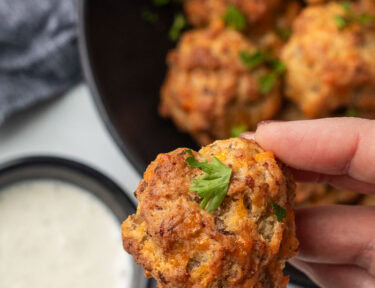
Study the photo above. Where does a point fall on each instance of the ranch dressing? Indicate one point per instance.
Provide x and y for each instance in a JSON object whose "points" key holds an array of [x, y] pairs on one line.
{"points": [[56, 235]]}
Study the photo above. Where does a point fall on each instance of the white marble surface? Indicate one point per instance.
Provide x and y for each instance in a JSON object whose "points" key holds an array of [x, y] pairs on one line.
{"points": [[69, 126]]}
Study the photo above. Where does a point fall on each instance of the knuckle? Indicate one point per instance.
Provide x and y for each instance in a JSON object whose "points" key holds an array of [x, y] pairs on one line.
{"points": [[366, 258]]}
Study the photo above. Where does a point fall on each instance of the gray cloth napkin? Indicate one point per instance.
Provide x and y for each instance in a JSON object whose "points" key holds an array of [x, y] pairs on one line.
{"points": [[38, 52]]}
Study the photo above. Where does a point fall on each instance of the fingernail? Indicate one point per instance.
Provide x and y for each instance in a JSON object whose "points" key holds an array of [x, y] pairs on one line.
{"points": [[266, 122], [248, 135]]}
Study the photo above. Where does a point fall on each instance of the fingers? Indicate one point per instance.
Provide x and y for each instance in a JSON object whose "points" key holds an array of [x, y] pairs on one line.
{"points": [[339, 181], [337, 235], [336, 146], [332, 276]]}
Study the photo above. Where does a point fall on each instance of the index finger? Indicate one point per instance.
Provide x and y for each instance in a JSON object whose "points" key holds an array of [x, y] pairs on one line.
{"points": [[333, 146]]}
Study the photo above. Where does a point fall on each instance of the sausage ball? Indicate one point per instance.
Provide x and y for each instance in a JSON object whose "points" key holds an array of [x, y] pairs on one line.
{"points": [[209, 90], [203, 12], [243, 243], [331, 61], [322, 194]]}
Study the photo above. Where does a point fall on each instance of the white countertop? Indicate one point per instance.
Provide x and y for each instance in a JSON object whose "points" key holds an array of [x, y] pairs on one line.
{"points": [[71, 127]]}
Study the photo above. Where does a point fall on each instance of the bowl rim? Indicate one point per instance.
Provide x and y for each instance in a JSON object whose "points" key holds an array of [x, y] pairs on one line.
{"points": [[88, 72], [18, 164], [65, 163]]}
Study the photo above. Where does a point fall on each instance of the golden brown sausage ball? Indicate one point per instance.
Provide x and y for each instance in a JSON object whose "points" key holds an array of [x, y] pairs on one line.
{"points": [[208, 89], [241, 244], [203, 12], [331, 64]]}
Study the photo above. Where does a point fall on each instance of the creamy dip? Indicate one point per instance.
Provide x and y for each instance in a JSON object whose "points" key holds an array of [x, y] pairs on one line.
{"points": [[56, 235]]}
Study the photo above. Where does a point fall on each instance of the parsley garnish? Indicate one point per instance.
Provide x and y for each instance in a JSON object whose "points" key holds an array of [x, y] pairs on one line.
{"points": [[346, 5], [178, 25], [351, 112], [266, 82], [343, 21], [252, 60], [366, 19], [234, 18], [284, 33], [149, 16], [238, 129], [212, 186], [258, 58], [279, 212]]}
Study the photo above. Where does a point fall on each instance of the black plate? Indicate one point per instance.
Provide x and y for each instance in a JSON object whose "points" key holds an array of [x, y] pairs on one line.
{"points": [[123, 57], [45, 167]]}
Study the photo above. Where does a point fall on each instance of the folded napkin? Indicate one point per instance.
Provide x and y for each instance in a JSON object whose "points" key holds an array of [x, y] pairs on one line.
{"points": [[38, 52]]}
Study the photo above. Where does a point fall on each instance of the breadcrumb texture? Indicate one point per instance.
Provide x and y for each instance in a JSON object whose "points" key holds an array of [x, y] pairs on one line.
{"points": [[241, 244], [328, 67], [208, 89]]}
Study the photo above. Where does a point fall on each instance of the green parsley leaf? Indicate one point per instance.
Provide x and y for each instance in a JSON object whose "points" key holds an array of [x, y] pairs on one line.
{"points": [[212, 186], [346, 5], [284, 33], [149, 16], [366, 19], [266, 82], [252, 60], [342, 22], [351, 112], [279, 212], [234, 18], [160, 2], [238, 129], [178, 25]]}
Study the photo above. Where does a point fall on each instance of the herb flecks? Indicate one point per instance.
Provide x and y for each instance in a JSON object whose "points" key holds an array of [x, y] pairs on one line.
{"points": [[238, 129], [150, 16], [212, 186], [351, 112], [178, 25], [279, 212], [234, 18], [252, 60], [349, 17], [258, 58], [267, 82]]}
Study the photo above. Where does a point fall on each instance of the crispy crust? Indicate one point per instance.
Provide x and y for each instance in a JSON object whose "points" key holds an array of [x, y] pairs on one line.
{"points": [[208, 89], [329, 68], [239, 245]]}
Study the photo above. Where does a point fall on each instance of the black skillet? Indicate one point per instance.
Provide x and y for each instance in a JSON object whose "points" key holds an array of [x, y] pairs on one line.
{"points": [[123, 57]]}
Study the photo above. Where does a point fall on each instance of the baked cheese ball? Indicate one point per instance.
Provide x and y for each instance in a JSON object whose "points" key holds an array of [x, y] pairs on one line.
{"points": [[209, 89], [243, 242], [202, 13], [330, 59]]}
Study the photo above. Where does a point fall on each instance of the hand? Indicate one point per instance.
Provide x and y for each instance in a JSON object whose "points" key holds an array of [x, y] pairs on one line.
{"points": [[337, 243]]}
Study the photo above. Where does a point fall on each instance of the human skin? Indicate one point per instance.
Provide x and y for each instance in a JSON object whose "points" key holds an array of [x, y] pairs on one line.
{"points": [[337, 243]]}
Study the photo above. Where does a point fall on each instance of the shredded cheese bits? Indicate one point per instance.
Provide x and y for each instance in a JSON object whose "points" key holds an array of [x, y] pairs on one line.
{"points": [[264, 156]]}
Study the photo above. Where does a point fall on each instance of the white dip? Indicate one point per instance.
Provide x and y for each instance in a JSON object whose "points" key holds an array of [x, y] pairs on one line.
{"points": [[56, 235]]}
